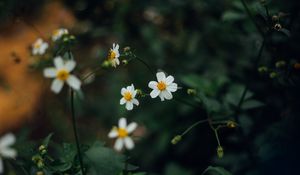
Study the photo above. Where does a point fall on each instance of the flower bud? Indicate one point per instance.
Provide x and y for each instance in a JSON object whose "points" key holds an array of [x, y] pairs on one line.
{"points": [[125, 62], [297, 66], [273, 75], [275, 18], [191, 91], [106, 64], [40, 163], [279, 64], [126, 49], [40, 173], [231, 124], [220, 152], [176, 139], [262, 69], [277, 26]]}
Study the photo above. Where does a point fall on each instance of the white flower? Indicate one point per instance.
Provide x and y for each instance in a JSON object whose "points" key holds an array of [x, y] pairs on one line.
{"points": [[163, 87], [39, 47], [58, 33], [5, 151], [122, 134], [129, 94], [113, 55], [61, 73]]}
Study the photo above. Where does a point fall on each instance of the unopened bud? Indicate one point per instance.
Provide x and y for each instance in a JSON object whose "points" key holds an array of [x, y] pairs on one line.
{"points": [[106, 64], [279, 64], [275, 18], [277, 26], [40, 173], [220, 152], [125, 62], [40, 163], [176, 139], [273, 75], [231, 124], [297, 66], [191, 91], [126, 49], [262, 69], [139, 92]]}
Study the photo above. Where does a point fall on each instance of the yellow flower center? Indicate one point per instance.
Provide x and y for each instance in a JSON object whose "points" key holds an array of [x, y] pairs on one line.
{"points": [[122, 132], [161, 86], [62, 74], [56, 33], [127, 96], [111, 55], [37, 45]]}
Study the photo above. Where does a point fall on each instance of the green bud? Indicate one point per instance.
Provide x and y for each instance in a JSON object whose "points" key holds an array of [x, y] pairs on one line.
{"points": [[262, 69], [273, 75], [125, 62], [126, 49], [279, 64], [277, 26], [191, 91], [231, 124], [72, 37], [40, 164], [106, 64], [139, 92], [42, 147], [220, 152], [36, 158], [176, 139], [40, 173]]}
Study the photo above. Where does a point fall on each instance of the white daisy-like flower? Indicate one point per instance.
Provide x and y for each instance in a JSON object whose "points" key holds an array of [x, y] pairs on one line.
{"points": [[113, 55], [5, 151], [122, 134], [163, 87], [61, 73], [58, 33], [39, 47], [128, 98]]}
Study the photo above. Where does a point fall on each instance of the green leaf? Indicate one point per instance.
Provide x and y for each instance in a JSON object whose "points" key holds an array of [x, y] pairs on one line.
{"points": [[47, 139], [215, 171], [105, 161], [250, 104], [232, 16], [69, 152]]}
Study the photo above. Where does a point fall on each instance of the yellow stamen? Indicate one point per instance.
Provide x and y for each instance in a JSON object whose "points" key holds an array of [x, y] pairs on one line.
{"points": [[122, 132], [127, 96], [37, 45], [56, 32], [62, 74], [111, 55], [161, 86]]}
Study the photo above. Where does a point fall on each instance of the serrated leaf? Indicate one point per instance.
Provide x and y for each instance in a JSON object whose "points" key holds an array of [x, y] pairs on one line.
{"points": [[215, 171]]}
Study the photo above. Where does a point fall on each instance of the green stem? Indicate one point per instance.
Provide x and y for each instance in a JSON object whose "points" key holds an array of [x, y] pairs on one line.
{"points": [[251, 17], [91, 73], [193, 125], [75, 131], [147, 65]]}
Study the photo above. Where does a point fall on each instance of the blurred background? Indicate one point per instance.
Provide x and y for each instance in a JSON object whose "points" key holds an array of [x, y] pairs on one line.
{"points": [[207, 45]]}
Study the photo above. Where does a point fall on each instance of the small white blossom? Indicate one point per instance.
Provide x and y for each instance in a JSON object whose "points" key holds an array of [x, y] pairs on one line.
{"points": [[39, 47], [122, 134], [113, 55], [61, 73], [163, 87], [58, 33], [128, 98], [5, 151]]}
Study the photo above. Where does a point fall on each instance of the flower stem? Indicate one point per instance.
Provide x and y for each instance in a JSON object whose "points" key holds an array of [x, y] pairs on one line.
{"points": [[193, 125], [75, 131]]}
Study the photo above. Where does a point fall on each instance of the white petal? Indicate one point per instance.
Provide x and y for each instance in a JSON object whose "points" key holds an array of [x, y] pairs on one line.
{"points": [[131, 127], [122, 101], [58, 62], [154, 93], [117, 47], [113, 133], [135, 101], [119, 144], [161, 96], [7, 140], [34, 51], [1, 166], [70, 65], [123, 90], [152, 85], [128, 143], [172, 87], [74, 82], [117, 61], [167, 95], [50, 72], [133, 93], [8, 153], [122, 123], [169, 79], [160, 76], [114, 45], [57, 85], [129, 105]]}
